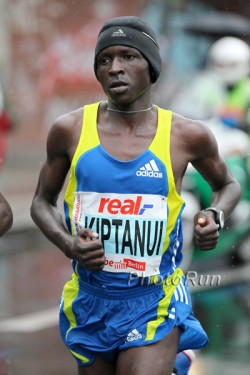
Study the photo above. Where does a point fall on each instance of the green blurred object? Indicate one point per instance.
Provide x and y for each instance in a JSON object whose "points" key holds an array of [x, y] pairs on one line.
{"points": [[237, 227], [224, 314]]}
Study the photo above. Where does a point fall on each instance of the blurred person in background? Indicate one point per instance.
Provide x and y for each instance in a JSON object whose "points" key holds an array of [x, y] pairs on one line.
{"points": [[222, 90], [6, 216], [229, 60], [127, 308], [220, 95], [6, 124]]}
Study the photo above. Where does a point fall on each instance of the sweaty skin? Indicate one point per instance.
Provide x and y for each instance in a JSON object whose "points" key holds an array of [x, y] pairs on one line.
{"points": [[125, 77]]}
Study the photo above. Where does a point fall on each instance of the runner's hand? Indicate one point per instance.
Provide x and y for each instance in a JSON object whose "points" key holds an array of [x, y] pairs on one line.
{"points": [[205, 231], [88, 250]]}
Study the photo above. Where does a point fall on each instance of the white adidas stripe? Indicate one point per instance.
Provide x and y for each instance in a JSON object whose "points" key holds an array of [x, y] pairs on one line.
{"points": [[150, 166], [184, 292], [180, 293], [153, 165]]}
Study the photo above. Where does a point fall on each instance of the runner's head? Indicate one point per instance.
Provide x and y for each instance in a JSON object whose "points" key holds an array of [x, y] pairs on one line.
{"points": [[133, 32]]}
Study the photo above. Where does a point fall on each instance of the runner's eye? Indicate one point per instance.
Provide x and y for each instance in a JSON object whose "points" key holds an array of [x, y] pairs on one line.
{"points": [[129, 57], [103, 61]]}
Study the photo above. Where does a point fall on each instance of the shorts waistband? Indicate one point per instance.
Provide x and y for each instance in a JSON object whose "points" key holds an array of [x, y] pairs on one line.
{"points": [[121, 293]]}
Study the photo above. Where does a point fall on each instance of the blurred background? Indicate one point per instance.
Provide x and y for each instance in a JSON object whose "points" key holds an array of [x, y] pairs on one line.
{"points": [[46, 69]]}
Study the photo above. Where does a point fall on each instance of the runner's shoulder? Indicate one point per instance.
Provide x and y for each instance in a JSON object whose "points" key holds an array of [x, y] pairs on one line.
{"points": [[193, 133], [68, 121]]}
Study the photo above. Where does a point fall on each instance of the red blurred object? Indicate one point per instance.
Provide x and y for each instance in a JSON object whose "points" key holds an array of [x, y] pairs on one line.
{"points": [[5, 126]]}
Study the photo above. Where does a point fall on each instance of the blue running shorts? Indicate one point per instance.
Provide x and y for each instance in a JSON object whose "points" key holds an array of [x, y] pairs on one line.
{"points": [[95, 321]]}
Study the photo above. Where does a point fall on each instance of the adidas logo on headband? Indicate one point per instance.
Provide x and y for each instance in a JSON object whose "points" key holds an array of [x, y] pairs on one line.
{"points": [[119, 33]]}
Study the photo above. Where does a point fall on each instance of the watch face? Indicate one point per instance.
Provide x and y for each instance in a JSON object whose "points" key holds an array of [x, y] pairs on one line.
{"points": [[219, 216], [221, 219]]}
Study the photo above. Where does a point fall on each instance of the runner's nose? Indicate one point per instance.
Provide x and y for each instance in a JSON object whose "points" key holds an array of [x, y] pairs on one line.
{"points": [[116, 66]]}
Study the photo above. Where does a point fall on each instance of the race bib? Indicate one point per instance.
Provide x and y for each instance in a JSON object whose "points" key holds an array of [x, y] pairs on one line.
{"points": [[131, 227]]}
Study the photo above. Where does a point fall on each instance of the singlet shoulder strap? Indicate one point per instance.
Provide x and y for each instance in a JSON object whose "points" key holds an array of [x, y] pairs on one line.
{"points": [[161, 143], [88, 139], [89, 135], [161, 146]]}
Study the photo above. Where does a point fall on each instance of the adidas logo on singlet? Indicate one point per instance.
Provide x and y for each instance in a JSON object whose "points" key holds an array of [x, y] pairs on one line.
{"points": [[119, 33], [133, 336], [150, 169]]}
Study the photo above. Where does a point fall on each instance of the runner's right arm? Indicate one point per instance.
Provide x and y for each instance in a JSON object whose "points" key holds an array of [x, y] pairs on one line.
{"points": [[44, 210]]}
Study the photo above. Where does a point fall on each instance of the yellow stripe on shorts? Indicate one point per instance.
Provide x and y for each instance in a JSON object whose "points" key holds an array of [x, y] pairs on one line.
{"points": [[81, 357], [169, 286], [70, 292]]}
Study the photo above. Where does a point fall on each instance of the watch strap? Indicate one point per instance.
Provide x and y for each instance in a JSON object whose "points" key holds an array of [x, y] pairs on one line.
{"points": [[219, 216]]}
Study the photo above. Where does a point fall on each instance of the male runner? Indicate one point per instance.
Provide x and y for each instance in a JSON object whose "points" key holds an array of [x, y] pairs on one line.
{"points": [[127, 308], [6, 215]]}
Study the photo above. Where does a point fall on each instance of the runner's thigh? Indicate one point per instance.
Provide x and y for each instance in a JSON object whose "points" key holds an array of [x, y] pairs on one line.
{"points": [[98, 367], [157, 359]]}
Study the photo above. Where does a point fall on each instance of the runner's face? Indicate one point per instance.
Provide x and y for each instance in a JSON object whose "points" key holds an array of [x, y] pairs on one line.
{"points": [[123, 73]]}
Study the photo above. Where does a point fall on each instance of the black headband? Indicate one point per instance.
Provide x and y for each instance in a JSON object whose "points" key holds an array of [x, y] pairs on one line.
{"points": [[133, 32]]}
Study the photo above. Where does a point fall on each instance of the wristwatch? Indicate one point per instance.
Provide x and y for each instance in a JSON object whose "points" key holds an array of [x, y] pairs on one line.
{"points": [[218, 216]]}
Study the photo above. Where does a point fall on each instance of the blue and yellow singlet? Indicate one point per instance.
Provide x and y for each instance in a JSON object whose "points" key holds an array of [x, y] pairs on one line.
{"points": [[132, 205]]}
